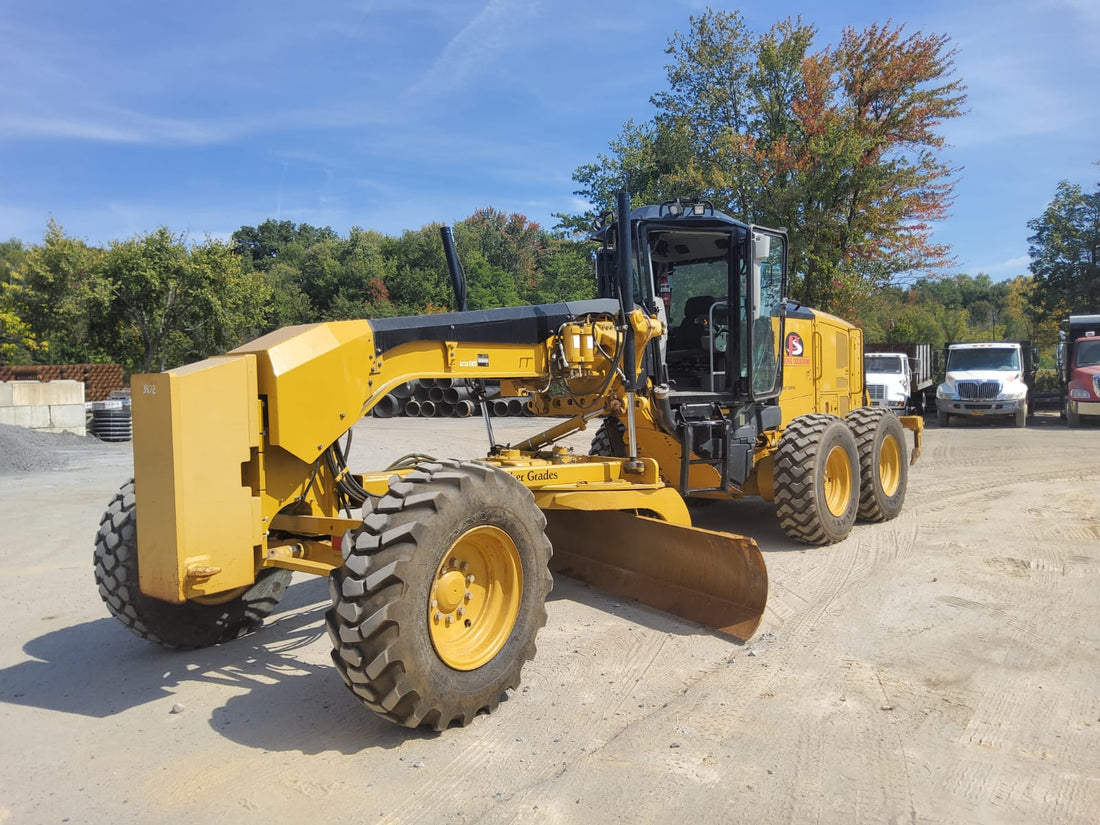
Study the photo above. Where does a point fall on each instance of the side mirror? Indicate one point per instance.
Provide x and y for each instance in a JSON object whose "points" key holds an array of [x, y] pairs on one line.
{"points": [[761, 247]]}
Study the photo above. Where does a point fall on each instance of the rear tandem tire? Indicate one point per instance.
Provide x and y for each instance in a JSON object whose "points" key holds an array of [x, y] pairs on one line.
{"points": [[883, 462], [817, 479], [441, 594], [183, 626]]}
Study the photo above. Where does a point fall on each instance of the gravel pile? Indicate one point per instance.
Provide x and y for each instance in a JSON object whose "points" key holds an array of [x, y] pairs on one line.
{"points": [[23, 450]]}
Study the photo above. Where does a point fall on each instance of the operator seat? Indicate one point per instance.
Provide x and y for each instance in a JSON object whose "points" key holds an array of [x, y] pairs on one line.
{"points": [[689, 334]]}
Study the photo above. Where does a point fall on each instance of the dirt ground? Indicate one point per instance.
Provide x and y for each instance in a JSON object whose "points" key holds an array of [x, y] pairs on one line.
{"points": [[940, 668]]}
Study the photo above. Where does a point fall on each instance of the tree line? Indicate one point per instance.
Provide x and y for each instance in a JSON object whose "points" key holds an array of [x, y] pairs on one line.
{"points": [[157, 301], [840, 145]]}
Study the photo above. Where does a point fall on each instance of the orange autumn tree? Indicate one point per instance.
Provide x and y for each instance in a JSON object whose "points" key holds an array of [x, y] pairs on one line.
{"points": [[840, 145]]}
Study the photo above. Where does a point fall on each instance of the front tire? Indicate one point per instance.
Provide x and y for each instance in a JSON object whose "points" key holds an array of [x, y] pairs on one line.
{"points": [[817, 479], [441, 594], [942, 418], [883, 462], [182, 626], [608, 440], [1073, 418], [1021, 417]]}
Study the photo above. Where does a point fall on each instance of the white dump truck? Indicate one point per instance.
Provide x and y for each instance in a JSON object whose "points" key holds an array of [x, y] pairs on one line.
{"points": [[897, 376], [986, 379]]}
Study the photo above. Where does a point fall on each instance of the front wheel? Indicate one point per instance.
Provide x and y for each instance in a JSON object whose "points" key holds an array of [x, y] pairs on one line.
{"points": [[817, 479], [185, 626], [1073, 418], [942, 418], [442, 592], [883, 462], [1021, 416], [608, 440]]}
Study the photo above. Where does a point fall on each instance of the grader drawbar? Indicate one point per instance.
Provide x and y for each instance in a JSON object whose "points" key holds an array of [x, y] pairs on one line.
{"points": [[700, 379]]}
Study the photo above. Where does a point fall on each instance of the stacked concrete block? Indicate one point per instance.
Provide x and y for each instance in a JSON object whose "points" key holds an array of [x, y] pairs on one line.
{"points": [[51, 407], [100, 380]]}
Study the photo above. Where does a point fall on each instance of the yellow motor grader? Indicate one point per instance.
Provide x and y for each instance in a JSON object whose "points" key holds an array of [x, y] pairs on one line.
{"points": [[700, 378]]}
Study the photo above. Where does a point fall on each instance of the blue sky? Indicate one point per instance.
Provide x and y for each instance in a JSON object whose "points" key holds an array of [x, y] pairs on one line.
{"points": [[117, 117]]}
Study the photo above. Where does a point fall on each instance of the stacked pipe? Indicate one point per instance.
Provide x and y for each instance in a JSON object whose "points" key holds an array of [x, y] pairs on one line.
{"points": [[444, 398]]}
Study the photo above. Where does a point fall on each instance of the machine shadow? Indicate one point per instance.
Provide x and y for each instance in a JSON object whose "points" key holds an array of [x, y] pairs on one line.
{"points": [[279, 693], [751, 517]]}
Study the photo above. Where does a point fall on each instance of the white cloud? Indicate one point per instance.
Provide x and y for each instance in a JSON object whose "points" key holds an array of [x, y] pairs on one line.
{"points": [[1021, 71], [477, 45], [1009, 268]]}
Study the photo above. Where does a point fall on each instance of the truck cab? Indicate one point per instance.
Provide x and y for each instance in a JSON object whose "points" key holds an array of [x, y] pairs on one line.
{"points": [[1079, 369], [889, 377], [984, 380]]}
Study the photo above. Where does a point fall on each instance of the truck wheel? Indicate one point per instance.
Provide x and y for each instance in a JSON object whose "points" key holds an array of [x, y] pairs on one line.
{"points": [[442, 592], [942, 418], [883, 462], [817, 479], [608, 440], [1073, 418], [193, 624], [1021, 416]]}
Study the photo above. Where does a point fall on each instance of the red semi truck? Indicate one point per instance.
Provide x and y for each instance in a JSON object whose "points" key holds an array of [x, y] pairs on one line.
{"points": [[1079, 368]]}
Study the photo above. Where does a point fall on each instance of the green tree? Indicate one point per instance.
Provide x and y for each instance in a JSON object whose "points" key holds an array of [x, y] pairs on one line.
{"points": [[172, 303], [18, 344], [566, 272], [261, 246], [839, 145], [60, 293], [345, 278], [418, 280], [1065, 253]]}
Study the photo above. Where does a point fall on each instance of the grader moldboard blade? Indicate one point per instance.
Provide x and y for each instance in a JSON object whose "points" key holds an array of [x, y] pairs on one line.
{"points": [[715, 579]]}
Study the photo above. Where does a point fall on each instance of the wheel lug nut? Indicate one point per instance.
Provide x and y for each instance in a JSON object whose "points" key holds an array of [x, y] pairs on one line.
{"points": [[470, 579], [465, 566], [447, 621], [439, 616], [460, 612], [468, 595]]}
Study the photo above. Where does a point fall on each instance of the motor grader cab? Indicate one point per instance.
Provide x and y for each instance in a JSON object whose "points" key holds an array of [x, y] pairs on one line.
{"points": [[750, 394], [439, 568], [716, 375]]}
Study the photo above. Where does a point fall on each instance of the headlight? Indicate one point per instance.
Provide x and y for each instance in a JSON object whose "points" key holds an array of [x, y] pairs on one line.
{"points": [[945, 391], [1079, 395], [1014, 395]]}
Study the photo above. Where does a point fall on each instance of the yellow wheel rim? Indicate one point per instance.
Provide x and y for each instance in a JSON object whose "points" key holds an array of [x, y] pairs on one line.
{"points": [[475, 596], [220, 598], [838, 481], [889, 466]]}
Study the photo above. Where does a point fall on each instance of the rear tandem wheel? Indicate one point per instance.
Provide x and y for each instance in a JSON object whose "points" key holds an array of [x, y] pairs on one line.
{"points": [[817, 479], [441, 594], [883, 462]]}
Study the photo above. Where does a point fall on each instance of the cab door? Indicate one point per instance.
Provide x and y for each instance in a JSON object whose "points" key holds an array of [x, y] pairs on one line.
{"points": [[766, 311]]}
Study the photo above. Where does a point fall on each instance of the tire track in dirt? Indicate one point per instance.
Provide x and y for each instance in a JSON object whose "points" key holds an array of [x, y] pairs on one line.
{"points": [[616, 670], [1018, 711]]}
